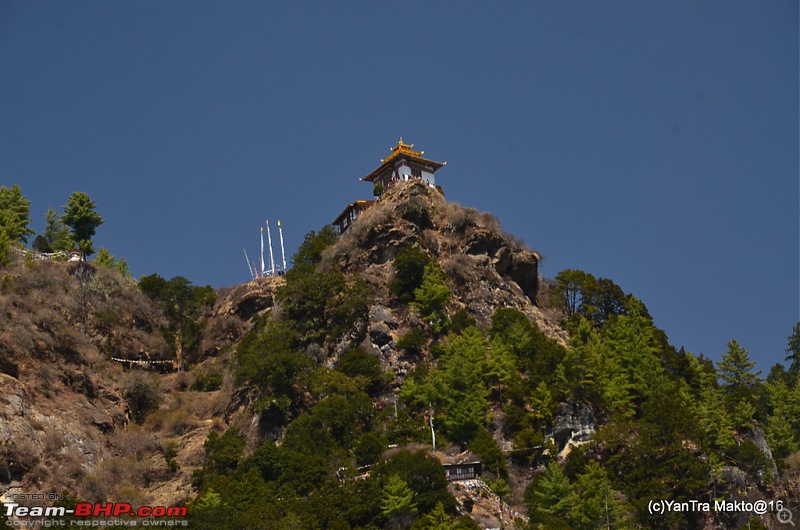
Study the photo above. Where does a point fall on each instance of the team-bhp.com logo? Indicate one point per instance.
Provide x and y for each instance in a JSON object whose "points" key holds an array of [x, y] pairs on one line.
{"points": [[97, 509]]}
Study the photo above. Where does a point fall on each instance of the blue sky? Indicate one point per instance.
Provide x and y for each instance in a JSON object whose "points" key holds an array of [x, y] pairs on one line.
{"points": [[653, 143]]}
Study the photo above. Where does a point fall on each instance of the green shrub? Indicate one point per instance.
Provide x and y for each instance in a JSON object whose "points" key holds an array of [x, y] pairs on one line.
{"points": [[409, 268], [223, 453], [412, 342], [323, 304], [363, 367], [491, 456], [207, 381], [368, 449], [143, 395]]}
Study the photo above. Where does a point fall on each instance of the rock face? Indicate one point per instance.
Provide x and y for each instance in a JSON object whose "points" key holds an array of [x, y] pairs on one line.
{"points": [[574, 424], [35, 431], [488, 268], [381, 325], [251, 298], [759, 438]]}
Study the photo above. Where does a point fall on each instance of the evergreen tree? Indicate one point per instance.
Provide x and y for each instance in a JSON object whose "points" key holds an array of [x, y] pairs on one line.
{"points": [[793, 353], [491, 456], [105, 259], [80, 215], [550, 496], [309, 254], [580, 293], [783, 422], [582, 366], [16, 216], [40, 244], [56, 234], [739, 380], [568, 294], [182, 303], [122, 267], [657, 462], [5, 241], [630, 360], [736, 368], [432, 296], [715, 420], [424, 475], [461, 385], [398, 499], [437, 519], [595, 502]]}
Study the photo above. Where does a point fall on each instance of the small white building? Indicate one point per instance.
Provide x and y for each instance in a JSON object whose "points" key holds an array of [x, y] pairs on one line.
{"points": [[402, 165]]}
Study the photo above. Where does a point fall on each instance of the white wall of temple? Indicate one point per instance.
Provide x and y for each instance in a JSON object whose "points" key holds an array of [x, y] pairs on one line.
{"points": [[403, 172]]}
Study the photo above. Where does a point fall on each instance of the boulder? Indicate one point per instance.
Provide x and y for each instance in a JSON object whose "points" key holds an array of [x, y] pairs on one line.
{"points": [[502, 261], [382, 315], [379, 334]]}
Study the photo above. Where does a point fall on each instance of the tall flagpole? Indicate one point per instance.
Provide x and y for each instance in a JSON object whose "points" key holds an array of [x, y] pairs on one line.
{"points": [[271, 261], [283, 256], [262, 250], [249, 268]]}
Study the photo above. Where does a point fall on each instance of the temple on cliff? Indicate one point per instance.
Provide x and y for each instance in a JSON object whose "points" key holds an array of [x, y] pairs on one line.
{"points": [[402, 165]]}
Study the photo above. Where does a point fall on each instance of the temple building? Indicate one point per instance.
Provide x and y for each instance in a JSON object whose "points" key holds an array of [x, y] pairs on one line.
{"points": [[404, 164], [401, 165], [350, 214]]}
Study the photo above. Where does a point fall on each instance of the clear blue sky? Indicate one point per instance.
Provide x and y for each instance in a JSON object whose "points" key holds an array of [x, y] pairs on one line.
{"points": [[653, 143]]}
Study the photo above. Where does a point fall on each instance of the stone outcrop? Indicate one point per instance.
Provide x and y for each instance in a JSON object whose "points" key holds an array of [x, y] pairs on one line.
{"points": [[488, 268], [759, 438], [35, 430], [574, 424], [249, 299]]}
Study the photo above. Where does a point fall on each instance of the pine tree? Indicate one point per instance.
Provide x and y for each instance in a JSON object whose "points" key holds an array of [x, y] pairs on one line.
{"points": [[596, 503], [5, 241], [437, 519], [432, 296], [736, 372], [81, 216], [105, 259], [736, 368], [633, 353], [714, 418], [582, 368], [398, 499], [552, 494], [793, 353], [56, 234], [16, 216]]}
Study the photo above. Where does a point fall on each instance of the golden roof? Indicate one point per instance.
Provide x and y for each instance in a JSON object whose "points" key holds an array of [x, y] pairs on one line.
{"points": [[358, 205], [403, 150]]}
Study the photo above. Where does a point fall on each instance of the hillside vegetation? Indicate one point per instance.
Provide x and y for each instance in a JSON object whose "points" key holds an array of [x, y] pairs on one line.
{"points": [[314, 400]]}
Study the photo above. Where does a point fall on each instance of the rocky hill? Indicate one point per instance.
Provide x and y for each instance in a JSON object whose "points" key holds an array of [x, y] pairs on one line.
{"points": [[300, 400], [485, 266]]}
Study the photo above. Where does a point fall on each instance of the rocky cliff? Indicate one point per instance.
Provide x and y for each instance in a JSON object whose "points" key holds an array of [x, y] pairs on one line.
{"points": [[487, 267]]}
